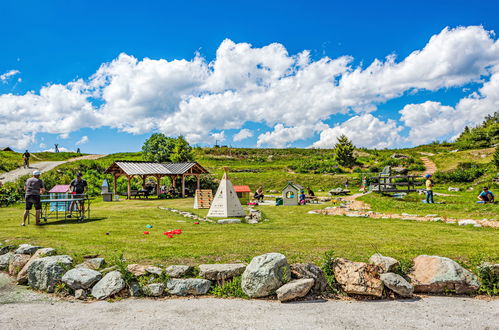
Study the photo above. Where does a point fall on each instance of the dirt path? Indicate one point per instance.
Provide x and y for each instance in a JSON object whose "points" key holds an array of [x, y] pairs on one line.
{"points": [[430, 166], [44, 166], [21, 308]]}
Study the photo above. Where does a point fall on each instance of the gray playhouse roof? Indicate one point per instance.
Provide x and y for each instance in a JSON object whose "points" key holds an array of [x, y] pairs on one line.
{"points": [[294, 185]]}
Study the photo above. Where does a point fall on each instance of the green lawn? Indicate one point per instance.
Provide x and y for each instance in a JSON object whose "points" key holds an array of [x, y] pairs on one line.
{"points": [[290, 230]]}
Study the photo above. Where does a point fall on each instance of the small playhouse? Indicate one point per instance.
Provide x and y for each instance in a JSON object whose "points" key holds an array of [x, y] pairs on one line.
{"points": [[291, 194], [243, 193], [60, 191]]}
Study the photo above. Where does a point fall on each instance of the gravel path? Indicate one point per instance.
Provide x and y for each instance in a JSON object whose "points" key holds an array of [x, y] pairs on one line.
{"points": [[21, 308], [44, 166]]}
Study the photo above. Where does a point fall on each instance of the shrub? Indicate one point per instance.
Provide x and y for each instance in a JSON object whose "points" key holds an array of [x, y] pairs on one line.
{"points": [[489, 281], [465, 172], [229, 288], [327, 264], [9, 194]]}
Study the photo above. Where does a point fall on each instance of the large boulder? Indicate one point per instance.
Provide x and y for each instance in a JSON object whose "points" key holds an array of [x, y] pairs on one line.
{"points": [[265, 274], [93, 263], [386, 264], [5, 260], [188, 286], [81, 278], [22, 276], [27, 249], [439, 274], [295, 289], [358, 277], [17, 263], [178, 270], [397, 284], [217, 272], [5, 249], [109, 285], [299, 271], [45, 273], [154, 289]]}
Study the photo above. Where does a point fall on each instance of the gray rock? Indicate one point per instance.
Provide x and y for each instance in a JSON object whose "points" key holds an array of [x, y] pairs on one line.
{"points": [[358, 277], [265, 274], [80, 294], [81, 278], [5, 249], [217, 272], [295, 289], [135, 290], [139, 270], [154, 289], [22, 276], [27, 249], [154, 270], [45, 273], [109, 285], [397, 284], [178, 270], [5, 260], [188, 286], [453, 189], [386, 264], [436, 274], [494, 268], [466, 222], [94, 264], [17, 263], [299, 271], [228, 221]]}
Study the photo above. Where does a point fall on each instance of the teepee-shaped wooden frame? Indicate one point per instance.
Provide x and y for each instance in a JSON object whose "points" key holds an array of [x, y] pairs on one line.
{"points": [[226, 203]]}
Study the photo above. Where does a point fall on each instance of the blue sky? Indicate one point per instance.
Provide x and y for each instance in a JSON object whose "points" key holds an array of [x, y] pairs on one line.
{"points": [[54, 43]]}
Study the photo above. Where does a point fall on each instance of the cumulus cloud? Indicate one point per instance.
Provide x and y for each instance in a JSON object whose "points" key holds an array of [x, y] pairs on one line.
{"points": [[218, 137], [83, 140], [292, 94], [7, 75], [242, 135]]}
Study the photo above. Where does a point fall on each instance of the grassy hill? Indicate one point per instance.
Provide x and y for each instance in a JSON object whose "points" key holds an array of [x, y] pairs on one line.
{"points": [[10, 160]]}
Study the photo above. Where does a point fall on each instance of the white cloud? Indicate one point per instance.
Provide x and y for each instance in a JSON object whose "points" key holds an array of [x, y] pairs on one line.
{"points": [[7, 75], [291, 93], [83, 140], [218, 137], [42, 146], [364, 131], [61, 149], [242, 135]]}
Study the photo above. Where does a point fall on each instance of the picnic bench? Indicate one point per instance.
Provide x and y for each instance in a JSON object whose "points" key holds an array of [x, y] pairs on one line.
{"points": [[339, 191]]}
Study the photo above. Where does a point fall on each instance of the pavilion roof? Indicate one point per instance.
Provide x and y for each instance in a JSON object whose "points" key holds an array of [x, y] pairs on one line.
{"points": [[153, 168]]}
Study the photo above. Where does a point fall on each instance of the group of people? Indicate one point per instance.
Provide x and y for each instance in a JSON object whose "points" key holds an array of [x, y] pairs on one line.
{"points": [[35, 187], [486, 196]]}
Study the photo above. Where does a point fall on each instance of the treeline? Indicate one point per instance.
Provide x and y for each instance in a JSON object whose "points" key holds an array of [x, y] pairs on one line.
{"points": [[484, 135]]}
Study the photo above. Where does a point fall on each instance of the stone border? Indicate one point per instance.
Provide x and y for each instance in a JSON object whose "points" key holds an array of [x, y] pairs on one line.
{"points": [[266, 276]]}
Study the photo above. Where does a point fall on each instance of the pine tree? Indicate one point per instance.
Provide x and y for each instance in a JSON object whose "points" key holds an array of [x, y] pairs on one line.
{"points": [[343, 152]]}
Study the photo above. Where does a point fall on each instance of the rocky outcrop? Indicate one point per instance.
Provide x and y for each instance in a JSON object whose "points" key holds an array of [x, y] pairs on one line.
{"points": [[295, 289], [358, 277], [436, 274], [5, 260], [176, 271], [22, 276], [265, 274], [17, 263], [188, 286], [81, 278], [218, 272], [397, 284], [27, 249], [45, 273], [299, 271], [386, 264], [154, 289], [109, 285]]}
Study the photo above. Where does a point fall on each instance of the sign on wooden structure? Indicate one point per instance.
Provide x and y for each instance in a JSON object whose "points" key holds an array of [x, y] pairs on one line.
{"points": [[203, 198], [226, 203]]}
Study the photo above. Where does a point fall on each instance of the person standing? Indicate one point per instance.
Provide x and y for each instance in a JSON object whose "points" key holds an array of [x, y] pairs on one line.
{"points": [[26, 157], [346, 184], [34, 187], [78, 186], [429, 189]]}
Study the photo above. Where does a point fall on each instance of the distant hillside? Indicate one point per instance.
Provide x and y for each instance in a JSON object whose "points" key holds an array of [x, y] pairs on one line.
{"points": [[482, 136]]}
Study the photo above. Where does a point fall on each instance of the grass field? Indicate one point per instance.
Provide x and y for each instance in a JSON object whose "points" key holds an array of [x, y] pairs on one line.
{"points": [[289, 230], [12, 160]]}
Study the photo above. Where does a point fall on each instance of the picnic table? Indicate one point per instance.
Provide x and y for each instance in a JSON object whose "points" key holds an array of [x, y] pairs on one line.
{"points": [[339, 191]]}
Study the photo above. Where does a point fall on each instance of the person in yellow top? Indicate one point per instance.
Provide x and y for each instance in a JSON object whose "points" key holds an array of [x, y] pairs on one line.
{"points": [[429, 189]]}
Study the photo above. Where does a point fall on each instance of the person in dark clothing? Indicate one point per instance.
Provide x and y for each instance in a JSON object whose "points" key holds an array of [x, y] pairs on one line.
{"points": [[79, 187], [34, 187], [310, 192], [26, 157]]}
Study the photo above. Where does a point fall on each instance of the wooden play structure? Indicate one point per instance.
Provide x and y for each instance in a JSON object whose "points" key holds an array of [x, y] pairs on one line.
{"points": [[144, 170], [203, 198], [387, 183]]}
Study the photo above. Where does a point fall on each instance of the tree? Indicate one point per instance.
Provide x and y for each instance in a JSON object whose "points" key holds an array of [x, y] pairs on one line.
{"points": [[343, 152], [160, 148], [495, 158]]}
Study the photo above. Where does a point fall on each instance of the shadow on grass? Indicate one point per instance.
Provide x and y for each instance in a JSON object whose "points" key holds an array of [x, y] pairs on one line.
{"points": [[71, 221]]}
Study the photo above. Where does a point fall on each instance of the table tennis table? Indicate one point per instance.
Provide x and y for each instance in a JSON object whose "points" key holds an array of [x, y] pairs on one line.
{"points": [[59, 208]]}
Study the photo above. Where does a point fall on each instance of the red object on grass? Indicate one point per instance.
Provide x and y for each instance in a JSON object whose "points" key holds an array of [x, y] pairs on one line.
{"points": [[146, 233], [196, 223]]}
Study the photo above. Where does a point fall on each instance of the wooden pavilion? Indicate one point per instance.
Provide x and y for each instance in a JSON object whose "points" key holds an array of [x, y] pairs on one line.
{"points": [[144, 170]]}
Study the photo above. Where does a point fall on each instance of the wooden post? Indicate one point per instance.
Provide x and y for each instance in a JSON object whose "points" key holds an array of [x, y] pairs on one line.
{"points": [[129, 188], [174, 181], [114, 184], [158, 177], [199, 181], [183, 186], [143, 182]]}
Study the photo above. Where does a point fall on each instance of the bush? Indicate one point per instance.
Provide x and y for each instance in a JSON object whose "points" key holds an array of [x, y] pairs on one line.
{"points": [[465, 172], [327, 267], [9, 194], [229, 288], [489, 281]]}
